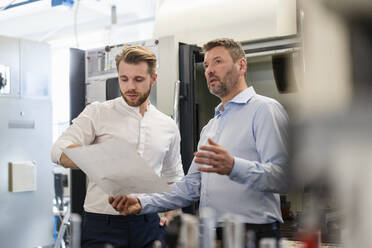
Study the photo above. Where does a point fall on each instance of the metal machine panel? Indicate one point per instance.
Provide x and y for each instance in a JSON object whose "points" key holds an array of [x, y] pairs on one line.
{"points": [[31, 226], [36, 224]]}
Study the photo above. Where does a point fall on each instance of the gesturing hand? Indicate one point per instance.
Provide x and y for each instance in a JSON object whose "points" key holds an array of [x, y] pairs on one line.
{"points": [[125, 204], [216, 156]]}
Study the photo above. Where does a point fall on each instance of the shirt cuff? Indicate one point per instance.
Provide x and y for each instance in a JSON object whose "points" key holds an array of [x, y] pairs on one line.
{"points": [[239, 170], [144, 201], [57, 150]]}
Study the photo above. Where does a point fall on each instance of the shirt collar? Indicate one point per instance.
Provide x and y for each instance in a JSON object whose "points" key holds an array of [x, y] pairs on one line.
{"points": [[241, 98], [133, 109]]}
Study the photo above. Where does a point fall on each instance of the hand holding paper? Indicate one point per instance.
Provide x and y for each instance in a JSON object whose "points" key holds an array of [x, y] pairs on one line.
{"points": [[125, 204], [115, 167]]}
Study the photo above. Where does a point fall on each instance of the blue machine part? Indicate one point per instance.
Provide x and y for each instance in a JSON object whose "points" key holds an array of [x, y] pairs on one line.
{"points": [[69, 3]]}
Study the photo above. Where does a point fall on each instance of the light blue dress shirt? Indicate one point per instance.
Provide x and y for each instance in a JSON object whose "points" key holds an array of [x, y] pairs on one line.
{"points": [[253, 129]]}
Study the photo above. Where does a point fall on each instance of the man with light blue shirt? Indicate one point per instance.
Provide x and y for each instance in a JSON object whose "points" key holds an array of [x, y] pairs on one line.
{"points": [[241, 162]]}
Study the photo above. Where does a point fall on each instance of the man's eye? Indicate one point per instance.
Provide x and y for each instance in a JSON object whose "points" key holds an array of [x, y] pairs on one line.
{"points": [[139, 79], [124, 79], [217, 62]]}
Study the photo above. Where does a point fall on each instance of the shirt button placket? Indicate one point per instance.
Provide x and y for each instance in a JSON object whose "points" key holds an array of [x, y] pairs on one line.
{"points": [[141, 146]]}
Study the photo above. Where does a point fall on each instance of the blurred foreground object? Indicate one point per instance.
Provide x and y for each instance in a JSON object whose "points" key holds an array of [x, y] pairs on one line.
{"points": [[331, 131]]}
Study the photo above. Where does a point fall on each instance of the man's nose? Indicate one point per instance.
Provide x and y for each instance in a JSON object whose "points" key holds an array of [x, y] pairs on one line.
{"points": [[209, 71], [131, 85]]}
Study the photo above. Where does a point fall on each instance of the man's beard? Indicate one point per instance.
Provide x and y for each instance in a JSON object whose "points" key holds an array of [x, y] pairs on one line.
{"points": [[225, 85], [140, 100]]}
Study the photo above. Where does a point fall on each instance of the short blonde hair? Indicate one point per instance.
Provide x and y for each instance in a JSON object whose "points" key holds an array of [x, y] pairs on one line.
{"points": [[135, 55]]}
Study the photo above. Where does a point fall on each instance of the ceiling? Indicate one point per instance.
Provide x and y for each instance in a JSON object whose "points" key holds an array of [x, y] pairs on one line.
{"points": [[80, 24]]}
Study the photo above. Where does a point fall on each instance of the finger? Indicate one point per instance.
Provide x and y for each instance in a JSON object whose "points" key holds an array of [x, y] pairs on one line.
{"points": [[206, 169], [211, 162], [117, 199], [210, 141], [207, 155], [163, 221], [110, 199], [128, 206], [122, 204], [214, 149]]}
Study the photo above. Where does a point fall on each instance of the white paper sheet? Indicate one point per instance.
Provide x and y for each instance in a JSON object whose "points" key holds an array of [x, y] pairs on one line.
{"points": [[115, 167]]}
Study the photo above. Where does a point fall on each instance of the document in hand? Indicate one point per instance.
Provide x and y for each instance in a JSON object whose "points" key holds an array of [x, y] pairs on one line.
{"points": [[115, 167]]}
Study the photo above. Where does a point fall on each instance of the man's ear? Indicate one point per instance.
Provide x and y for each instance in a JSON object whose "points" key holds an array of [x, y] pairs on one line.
{"points": [[153, 78], [242, 65]]}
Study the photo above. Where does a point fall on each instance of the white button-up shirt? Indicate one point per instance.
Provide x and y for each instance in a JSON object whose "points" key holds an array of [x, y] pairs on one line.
{"points": [[155, 136]]}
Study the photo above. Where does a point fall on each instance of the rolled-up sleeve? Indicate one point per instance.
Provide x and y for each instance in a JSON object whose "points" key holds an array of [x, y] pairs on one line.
{"points": [[81, 132], [57, 149]]}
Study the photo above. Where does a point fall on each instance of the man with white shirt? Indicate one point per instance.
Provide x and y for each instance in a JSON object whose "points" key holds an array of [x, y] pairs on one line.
{"points": [[241, 162], [154, 135]]}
